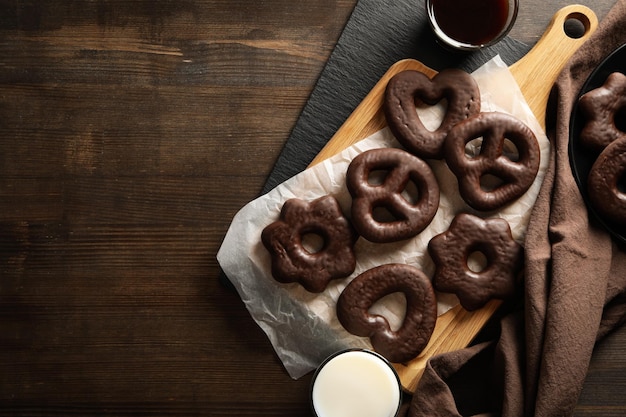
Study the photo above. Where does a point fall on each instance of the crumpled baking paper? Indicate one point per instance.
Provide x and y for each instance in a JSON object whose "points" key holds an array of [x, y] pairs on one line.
{"points": [[303, 327]]}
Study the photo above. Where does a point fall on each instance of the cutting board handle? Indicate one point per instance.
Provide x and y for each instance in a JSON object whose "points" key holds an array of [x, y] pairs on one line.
{"points": [[537, 71]]}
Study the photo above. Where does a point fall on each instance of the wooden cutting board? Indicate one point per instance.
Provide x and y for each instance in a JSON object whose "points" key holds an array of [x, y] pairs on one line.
{"points": [[535, 73]]}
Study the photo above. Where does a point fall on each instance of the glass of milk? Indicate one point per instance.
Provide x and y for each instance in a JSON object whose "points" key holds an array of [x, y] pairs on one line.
{"points": [[356, 383]]}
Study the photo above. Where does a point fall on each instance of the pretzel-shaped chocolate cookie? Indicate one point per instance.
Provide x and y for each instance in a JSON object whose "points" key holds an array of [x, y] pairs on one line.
{"points": [[602, 106], [410, 218], [407, 87], [452, 249], [605, 182], [412, 337], [292, 262], [516, 176]]}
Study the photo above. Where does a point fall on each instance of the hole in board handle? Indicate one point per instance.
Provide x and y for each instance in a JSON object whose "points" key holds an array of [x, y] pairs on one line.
{"points": [[576, 25]]}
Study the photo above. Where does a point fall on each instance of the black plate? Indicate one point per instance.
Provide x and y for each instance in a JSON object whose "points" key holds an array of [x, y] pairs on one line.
{"points": [[581, 159]]}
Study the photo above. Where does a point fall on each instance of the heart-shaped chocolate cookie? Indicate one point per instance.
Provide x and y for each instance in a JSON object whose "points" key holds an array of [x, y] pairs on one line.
{"points": [[407, 89], [403, 344]]}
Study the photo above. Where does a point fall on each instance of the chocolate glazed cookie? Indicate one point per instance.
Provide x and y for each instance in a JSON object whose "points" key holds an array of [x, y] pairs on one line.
{"points": [[358, 297], [452, 249], [407, 88], [605, 183], [515, 175], [605, 110], [410, 217], [292, 261]]}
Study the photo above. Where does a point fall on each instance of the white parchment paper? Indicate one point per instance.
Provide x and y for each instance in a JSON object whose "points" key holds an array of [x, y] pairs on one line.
{"points": [[302, 326]]}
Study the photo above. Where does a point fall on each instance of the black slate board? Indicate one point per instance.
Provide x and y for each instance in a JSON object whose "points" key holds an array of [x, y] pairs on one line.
{"points": [[377, 34]]}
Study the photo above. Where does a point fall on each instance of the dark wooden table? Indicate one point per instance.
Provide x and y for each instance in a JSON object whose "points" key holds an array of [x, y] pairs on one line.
{"points": [[130, 134]]}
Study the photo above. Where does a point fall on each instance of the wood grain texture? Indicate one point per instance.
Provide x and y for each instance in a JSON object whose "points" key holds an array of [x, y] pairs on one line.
{"points": [[130, 134]]}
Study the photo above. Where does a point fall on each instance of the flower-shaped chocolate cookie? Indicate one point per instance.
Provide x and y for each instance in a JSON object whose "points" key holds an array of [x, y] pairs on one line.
{"points": [[469, 236], [312, 267], [602, 107]]}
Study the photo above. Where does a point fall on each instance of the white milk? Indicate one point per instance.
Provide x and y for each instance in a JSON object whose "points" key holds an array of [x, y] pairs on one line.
{"points": [[356, 384]]}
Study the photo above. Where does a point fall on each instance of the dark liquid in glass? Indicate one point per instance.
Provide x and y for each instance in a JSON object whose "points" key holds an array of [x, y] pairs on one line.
{"points": [[474, 22]]}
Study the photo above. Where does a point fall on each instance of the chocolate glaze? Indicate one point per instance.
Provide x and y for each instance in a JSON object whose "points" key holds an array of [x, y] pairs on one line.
{"points": [[410, 218], [412, 337], [407, 87], [516, 175], [451, 249], [292, 262]]}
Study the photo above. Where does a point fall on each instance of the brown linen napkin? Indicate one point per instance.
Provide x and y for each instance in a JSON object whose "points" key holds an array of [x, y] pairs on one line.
{"points": [[575, 288]]}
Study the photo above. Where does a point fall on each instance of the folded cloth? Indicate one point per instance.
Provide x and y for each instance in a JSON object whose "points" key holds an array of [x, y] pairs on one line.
{"points": [[575, 287]]}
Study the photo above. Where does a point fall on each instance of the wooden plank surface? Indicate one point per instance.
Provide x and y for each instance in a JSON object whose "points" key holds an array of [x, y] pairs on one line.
{"points": [[130, 134]]}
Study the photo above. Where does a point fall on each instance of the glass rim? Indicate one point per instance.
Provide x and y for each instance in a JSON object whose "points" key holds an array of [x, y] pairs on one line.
{"points": [[349, 350], [463, 46]]}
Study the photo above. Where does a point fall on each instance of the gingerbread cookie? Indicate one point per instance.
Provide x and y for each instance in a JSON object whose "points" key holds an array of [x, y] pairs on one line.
{"points": [[605, 111], [292, 261], [412, 337], [467, 236], [606, 182], [515, 176], [409, 217], [408, 87]]}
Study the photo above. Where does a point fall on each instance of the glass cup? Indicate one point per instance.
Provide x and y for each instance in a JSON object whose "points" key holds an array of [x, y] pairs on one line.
{"points": [[469, 25], [356, 382]]}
